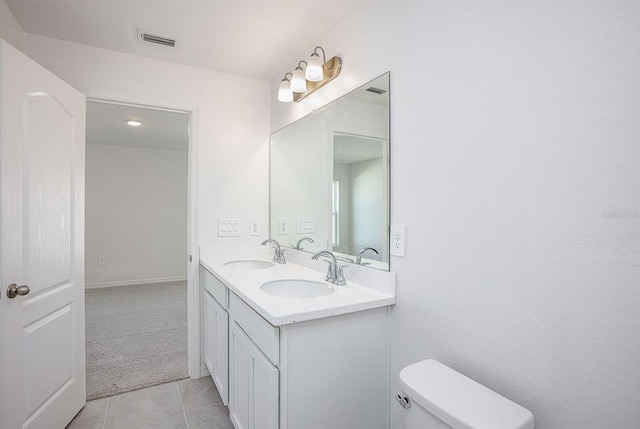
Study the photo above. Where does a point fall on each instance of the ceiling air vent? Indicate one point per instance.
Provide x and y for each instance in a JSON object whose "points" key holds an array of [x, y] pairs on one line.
{"points": [[145, 36], [376, 90]]}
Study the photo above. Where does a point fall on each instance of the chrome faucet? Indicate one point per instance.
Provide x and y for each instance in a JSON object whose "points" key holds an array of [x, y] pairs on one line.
{"points": [[297, 246], [334, 273], [360, 253], [278, 256]]}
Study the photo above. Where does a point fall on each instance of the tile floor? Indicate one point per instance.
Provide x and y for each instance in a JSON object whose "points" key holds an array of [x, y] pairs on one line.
{"points": [[184, 404]]}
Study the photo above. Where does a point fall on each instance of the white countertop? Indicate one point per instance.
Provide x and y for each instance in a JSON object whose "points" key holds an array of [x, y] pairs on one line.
{"points": [[278, 310]]}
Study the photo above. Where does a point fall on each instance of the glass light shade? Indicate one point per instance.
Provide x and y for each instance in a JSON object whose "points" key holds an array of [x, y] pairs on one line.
{"points": [[284, 93], [298, 82], [314, 71]]}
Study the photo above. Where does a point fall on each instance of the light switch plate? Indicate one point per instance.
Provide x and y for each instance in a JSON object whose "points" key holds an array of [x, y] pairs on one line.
{"points": [[228, 228], [398, 238], [304, 225]]}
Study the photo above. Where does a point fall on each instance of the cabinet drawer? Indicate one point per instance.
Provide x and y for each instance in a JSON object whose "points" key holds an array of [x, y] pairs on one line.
{"points": [[261, 332], [215, 287]]}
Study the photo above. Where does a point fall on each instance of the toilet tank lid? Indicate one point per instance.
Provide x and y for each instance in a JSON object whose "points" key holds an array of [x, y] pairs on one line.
{"points": [[459, 401]]}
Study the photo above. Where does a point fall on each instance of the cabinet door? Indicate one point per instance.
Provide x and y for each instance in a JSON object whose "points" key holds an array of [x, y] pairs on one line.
{"points": [[208, 332], [216, 344], [263, 390], [221, 351], [239, 352], [253, 384]]}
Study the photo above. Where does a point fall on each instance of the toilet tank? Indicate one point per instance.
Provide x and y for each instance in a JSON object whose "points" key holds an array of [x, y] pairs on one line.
{"points": [[442, 398]]}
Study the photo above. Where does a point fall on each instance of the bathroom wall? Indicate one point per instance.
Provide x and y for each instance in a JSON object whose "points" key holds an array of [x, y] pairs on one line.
{"points": [[136, 215], [10, 30], [232, 129], [515, 164], [367, 183]]}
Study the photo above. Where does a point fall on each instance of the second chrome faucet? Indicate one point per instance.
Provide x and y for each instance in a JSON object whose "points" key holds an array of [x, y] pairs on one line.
{"points": [[334, 273]]}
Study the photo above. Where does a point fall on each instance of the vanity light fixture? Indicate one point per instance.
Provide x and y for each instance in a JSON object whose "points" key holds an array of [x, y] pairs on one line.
{"points": [[314, 71], [134, 123], [298, 82], [317, 73], [284, 93]]}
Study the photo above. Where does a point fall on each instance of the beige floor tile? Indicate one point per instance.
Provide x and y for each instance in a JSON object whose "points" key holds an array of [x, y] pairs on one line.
{"points": [[214, 416], [171, 422], [140, 407], [91, 416], [198, 393]]}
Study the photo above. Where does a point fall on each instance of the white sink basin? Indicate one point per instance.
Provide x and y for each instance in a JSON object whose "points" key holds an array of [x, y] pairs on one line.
{"points": [[297, 288], [249, 264]]}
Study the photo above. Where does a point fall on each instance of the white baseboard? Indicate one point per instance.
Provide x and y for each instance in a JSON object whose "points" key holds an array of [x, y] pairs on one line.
{"points": [[135, 282]]}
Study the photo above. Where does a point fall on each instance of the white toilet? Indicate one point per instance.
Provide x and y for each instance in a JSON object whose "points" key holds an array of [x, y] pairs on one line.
{"points": [[437, 397]]}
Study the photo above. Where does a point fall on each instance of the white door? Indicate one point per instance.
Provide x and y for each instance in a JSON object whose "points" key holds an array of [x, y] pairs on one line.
{"points": [[42, 350]]}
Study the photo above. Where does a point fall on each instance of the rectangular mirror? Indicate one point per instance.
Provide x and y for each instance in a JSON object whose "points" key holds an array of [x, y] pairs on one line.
{"points": [[329, 178]]}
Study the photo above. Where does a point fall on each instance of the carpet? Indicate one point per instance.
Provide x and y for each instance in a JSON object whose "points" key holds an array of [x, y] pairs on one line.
{"points": [[136, 336]]}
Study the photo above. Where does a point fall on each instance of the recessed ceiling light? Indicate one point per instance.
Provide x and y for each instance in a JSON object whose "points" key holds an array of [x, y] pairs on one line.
{"points": [[134, 123]]}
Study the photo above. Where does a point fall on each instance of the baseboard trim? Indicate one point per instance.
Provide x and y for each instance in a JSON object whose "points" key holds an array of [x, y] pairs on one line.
{"points": [[136, 282]]}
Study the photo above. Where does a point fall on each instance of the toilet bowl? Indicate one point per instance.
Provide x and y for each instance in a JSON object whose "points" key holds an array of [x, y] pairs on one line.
{"points": [[438, 397]]}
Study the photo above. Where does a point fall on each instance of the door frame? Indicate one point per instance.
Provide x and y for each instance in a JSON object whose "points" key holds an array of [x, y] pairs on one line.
{"points": [[193, 249]]}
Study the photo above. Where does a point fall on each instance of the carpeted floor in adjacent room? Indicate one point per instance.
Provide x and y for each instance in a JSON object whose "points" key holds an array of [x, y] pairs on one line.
{"points": [[136, 337]]}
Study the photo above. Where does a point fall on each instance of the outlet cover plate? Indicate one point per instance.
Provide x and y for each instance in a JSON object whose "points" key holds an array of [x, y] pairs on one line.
{"points": [[283, 226], [398, 238], [255, 227]]}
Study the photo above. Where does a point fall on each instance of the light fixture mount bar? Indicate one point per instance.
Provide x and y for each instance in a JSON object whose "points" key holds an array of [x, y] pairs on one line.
{"points": [[331, 69]]}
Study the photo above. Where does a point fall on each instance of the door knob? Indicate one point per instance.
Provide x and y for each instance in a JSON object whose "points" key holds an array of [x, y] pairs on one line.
{"points": [[14, 290]]}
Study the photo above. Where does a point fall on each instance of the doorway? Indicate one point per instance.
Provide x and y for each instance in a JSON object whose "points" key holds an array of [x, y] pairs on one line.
{"points": [[136, 269]]}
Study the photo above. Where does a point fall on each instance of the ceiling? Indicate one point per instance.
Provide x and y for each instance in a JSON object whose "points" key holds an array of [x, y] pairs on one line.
{"points": [[255, 38], [160, 129]]}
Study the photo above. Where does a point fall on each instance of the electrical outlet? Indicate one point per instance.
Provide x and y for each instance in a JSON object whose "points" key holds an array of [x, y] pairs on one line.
{"points": [[284, 227], [102, 260], [398, 237], [254, 228]]}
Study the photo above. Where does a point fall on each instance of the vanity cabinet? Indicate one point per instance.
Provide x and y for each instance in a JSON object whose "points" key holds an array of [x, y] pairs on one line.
{"points": [[216, 332], [324, 373]]}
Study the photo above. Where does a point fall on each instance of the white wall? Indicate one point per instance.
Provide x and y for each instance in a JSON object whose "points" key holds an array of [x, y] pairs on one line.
{"points": [[515, 164], [342, 174], [300, 181], [367, 190], [10, 29], [232, 131], [136, 214]]}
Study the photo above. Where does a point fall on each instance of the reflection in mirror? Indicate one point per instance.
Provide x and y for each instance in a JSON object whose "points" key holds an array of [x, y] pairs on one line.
{"points": [[359, 189], [329, 178]]}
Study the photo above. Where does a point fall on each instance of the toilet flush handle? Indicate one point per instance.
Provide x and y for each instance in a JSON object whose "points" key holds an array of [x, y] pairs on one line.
{"points": [[404, 401]]}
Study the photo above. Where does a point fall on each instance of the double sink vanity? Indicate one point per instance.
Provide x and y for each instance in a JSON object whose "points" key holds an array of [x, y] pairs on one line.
{"points": [[288, 350]]}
